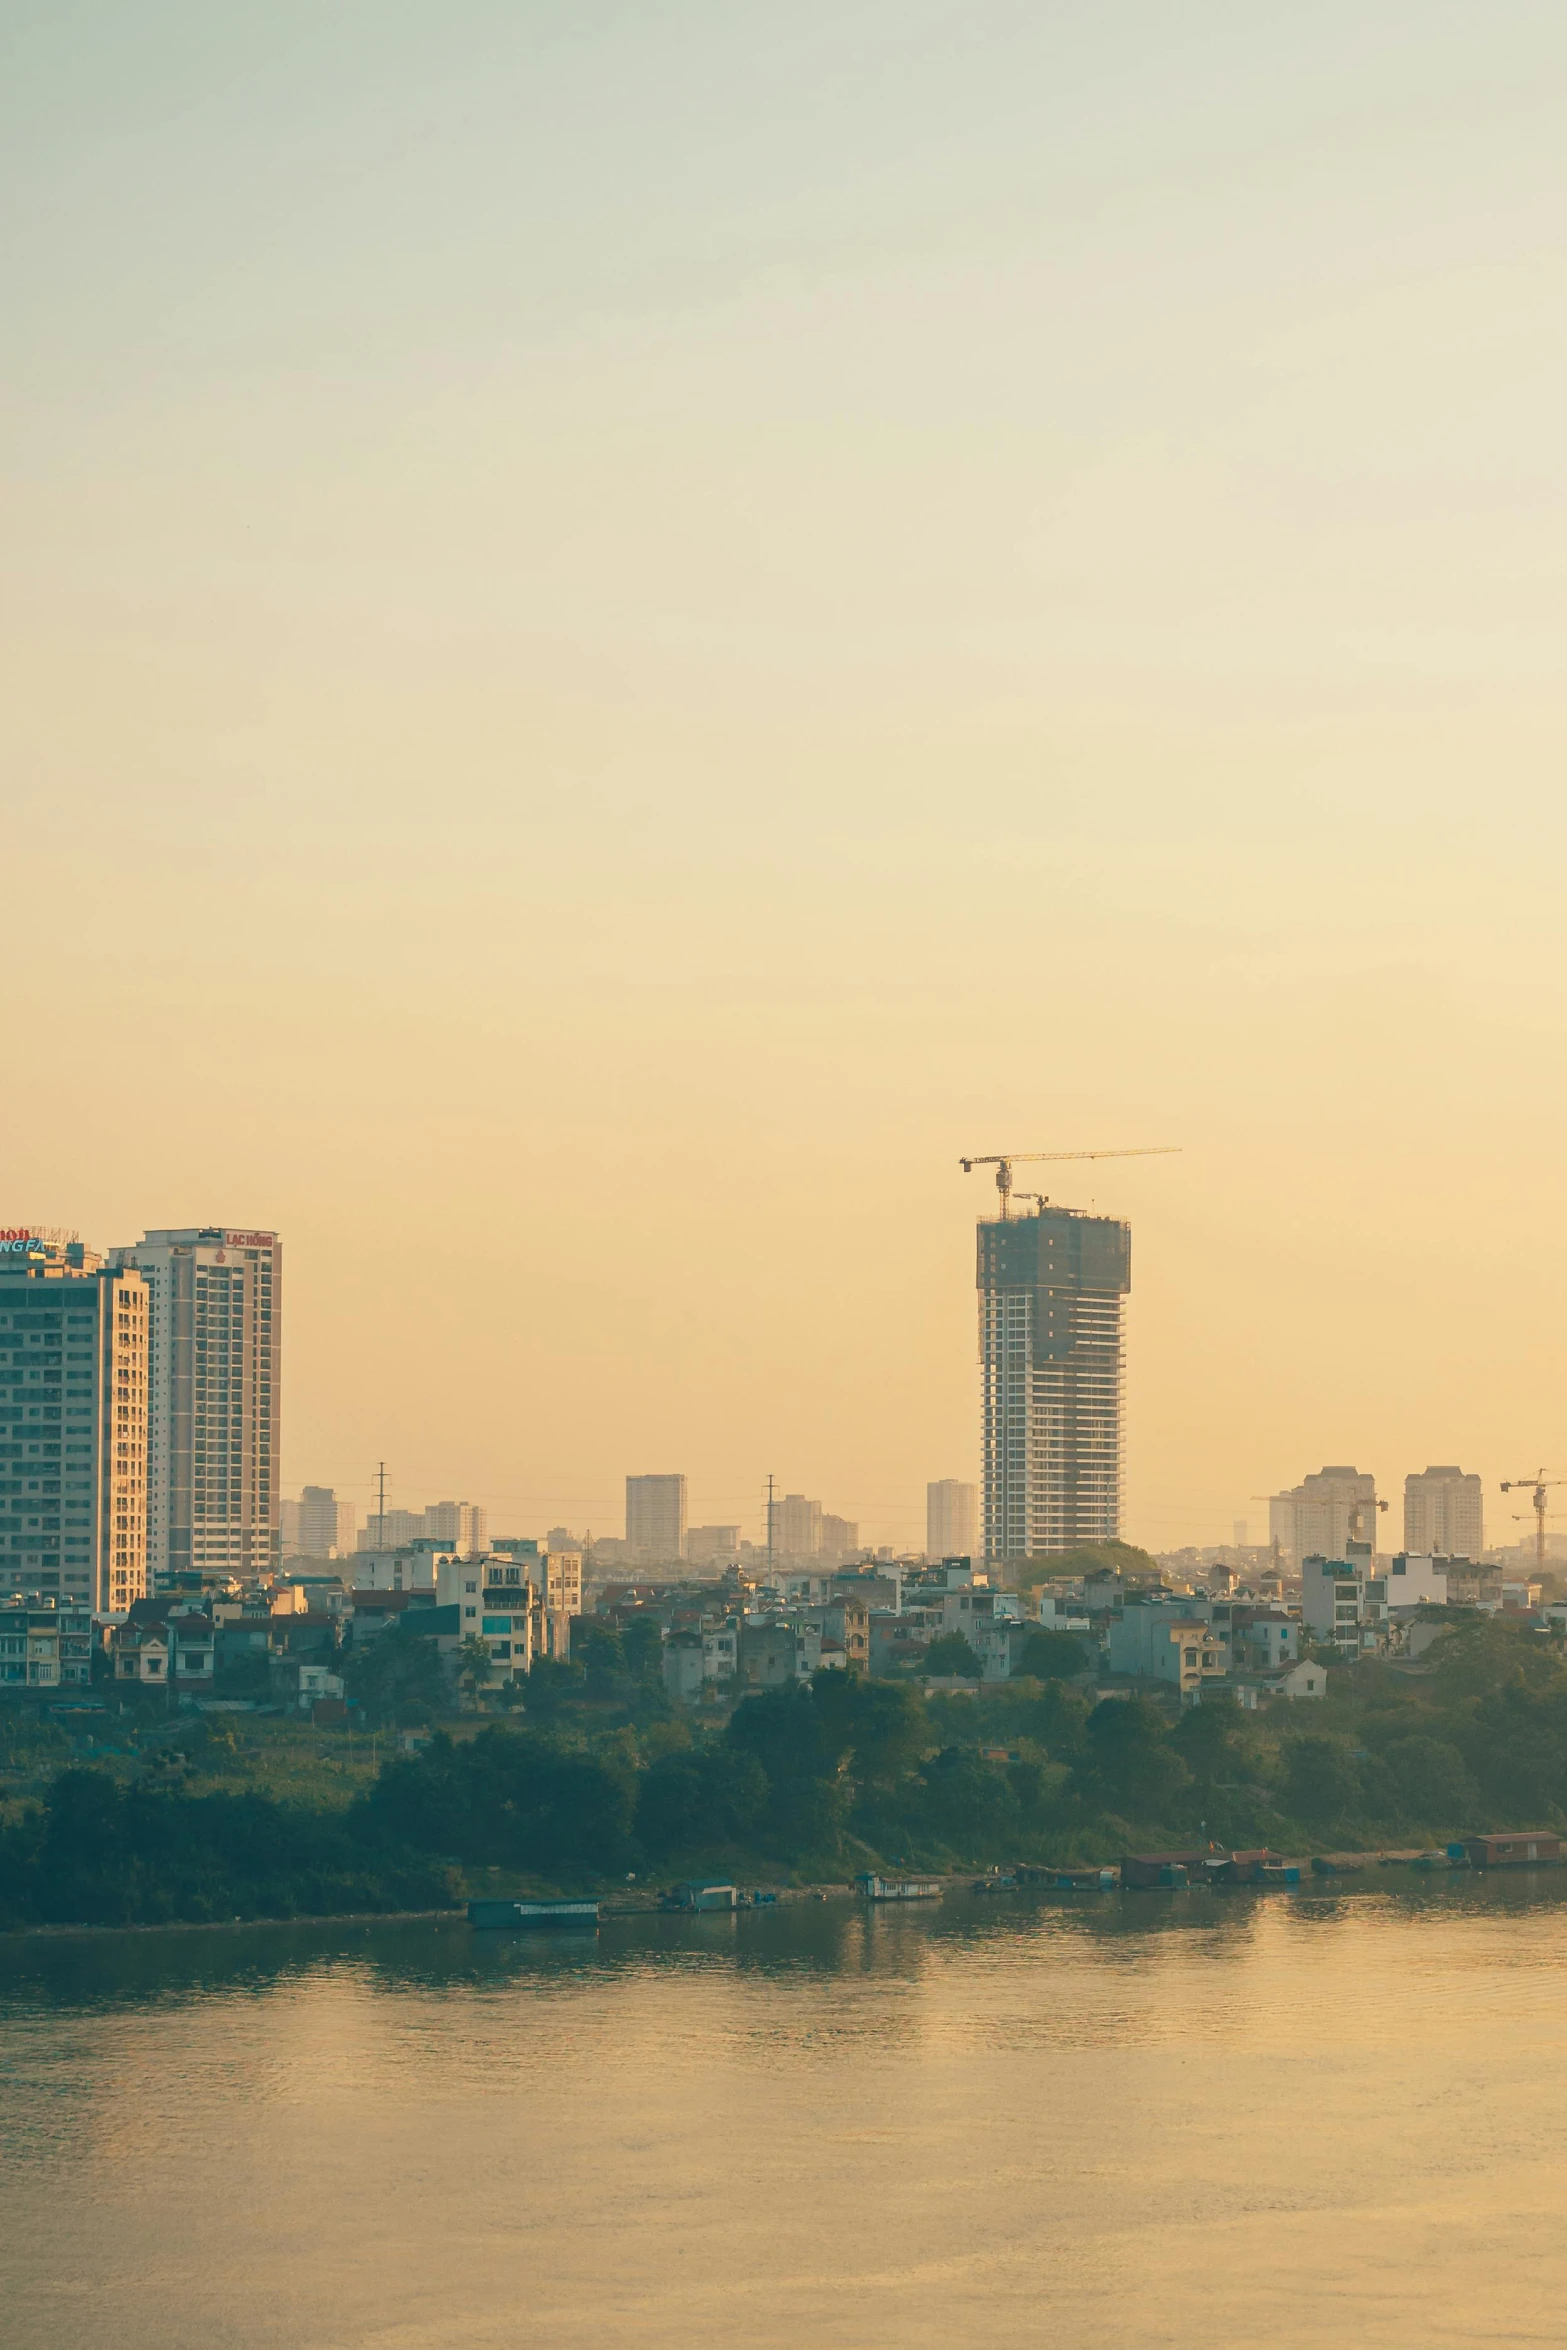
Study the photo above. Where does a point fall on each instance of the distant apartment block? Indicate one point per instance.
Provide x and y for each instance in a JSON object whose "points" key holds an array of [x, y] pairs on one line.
{"points": [[796, 1529], [1444, 1514], [799, 1528], [214, 1399], [73, 1425], [840, 1539], [1051, 1287], [453, 1525], [951, 1519], [713, 1546], [1324, 1514], [318, 1525], [390, 1529], [656, 1519]]}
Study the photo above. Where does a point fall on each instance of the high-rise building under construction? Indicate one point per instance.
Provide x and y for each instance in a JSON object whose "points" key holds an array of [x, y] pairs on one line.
{"points": [[1050, 1342]]}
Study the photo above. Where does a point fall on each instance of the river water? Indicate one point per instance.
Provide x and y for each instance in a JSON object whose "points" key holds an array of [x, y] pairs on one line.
{"points": [[1158, 2119]]}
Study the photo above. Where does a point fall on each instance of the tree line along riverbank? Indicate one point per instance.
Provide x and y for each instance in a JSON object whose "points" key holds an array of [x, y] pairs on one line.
{"points": [[592, 1789]]}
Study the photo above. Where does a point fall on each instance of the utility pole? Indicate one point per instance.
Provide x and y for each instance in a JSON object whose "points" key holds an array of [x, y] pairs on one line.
{"points": [[769, 1529], [380, 1515]]}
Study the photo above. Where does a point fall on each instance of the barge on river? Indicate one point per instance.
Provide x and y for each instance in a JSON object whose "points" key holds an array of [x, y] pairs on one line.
{"points": [[534, 1913]]}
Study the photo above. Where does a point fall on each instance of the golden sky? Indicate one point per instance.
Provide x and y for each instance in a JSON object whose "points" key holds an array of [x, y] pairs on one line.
{"points": [[625, 628]]}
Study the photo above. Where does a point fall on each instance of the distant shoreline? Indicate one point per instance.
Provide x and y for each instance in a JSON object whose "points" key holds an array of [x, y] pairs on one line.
{"points": [[1371, 1872]]}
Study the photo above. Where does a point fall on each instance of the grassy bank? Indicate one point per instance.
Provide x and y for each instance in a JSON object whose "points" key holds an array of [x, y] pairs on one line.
{"points": [[805, 1784]]}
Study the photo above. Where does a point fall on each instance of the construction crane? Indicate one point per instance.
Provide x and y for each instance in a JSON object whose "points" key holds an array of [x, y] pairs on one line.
{"points": [[1540, 1485], [1004, 1161]]}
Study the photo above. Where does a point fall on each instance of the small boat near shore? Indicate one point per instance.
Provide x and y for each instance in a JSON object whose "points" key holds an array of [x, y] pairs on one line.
{"points": [[491, 1913]]}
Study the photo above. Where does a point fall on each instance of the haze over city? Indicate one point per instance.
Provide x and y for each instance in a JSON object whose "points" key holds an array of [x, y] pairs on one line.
{"points": [[626, 633]]}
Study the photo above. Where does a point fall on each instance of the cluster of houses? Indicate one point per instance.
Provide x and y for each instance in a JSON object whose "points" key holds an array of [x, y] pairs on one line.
{"points": [[490, 1616], [487, 1617]]}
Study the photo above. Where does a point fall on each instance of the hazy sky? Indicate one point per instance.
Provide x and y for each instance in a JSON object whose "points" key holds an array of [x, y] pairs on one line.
{"points": [[627, 627]]}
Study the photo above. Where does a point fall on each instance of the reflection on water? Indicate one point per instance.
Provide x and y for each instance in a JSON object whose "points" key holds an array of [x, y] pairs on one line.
{"points": [[1169, 2119]]}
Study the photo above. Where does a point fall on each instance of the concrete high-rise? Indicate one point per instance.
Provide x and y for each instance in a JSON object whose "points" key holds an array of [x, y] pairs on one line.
{"points": [[1050, 1344], [951, 1519], [1444, 1514], [214, 1399], [319, 1525], [795, 1530], [73, 1425], [656, 1520], [840, 1538], [1322, 1515], [461, 1523]]}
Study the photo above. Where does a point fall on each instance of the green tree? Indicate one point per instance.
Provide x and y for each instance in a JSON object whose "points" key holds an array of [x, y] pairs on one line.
{"points": [[1088, 1558], [396, 1675], [1321, 1785], [1053, 1656], [803, 1749], [705, 1797], [474, 1663], [967, 1805], [1207, 1739], [1431, 1782], [953, 1654], [1059, 1721], [1128, 1764], [882, 1727]]}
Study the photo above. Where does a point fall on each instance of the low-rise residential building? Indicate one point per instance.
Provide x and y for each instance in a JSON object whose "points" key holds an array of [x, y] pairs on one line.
{"points": [[300, 1684], [768, 1653], [45, 1645], [1253, 1690], [1333, 1601], [413, 1566], [1166, 1641], [1264, 1638], [683, 1661], [1472, 1584], [556, 1578], [165, 1646]]}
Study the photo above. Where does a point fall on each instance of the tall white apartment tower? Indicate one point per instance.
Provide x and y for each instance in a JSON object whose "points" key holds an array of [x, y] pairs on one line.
{"points": [[214, 1399], [951, 1519], [1444, 1514], [1050, 1345]]}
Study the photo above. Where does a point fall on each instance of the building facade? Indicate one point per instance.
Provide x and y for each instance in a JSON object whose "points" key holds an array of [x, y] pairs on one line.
{"points": [[318, 1525], [214, 1399], [461, 1524], [1444, 1514], [1051, 1287], [795, 1531], [655, 1520], [1322, 1515], [706, 1546], [73, 1425], [951, 1519]]}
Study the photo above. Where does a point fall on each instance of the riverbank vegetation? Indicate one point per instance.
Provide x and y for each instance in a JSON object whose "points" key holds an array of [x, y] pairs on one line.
{"points": [[598, 1780]]}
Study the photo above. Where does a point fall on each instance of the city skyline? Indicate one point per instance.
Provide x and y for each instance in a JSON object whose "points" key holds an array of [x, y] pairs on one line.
{"points": [[1443, 1508]]}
